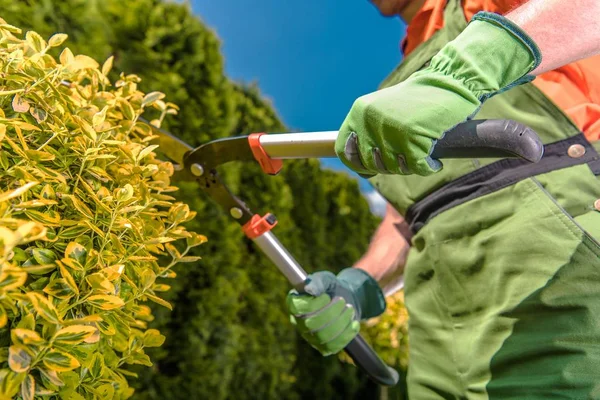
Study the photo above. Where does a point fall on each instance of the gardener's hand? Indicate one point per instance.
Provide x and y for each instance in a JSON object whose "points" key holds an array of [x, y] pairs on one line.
{"points": [[394, 130], [327, 315]]}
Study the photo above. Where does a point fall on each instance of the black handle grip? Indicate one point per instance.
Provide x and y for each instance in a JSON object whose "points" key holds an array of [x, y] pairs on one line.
{"points": [[369, 362], [490, 138]]}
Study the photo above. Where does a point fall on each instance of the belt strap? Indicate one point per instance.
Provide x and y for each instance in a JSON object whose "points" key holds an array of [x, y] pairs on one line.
{"points": [[499, 175]]}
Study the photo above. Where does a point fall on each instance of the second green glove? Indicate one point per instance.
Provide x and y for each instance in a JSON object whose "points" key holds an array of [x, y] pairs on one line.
{"points": [[327, 315]]}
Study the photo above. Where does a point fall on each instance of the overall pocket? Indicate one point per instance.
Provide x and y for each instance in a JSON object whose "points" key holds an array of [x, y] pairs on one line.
{"points": [[523, 280]]}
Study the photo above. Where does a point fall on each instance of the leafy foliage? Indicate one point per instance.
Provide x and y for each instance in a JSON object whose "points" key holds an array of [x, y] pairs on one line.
{"points": [[87, 224]]}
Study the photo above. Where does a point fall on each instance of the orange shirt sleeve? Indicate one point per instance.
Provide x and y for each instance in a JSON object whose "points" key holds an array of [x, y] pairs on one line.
{"points": [[575, 88]]}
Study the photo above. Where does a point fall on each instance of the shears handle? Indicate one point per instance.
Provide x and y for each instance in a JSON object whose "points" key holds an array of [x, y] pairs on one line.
{"points": [[488, 138]]}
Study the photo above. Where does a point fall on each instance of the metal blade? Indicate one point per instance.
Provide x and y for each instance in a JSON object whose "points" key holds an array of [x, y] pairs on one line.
{"points": [[170, 146]]}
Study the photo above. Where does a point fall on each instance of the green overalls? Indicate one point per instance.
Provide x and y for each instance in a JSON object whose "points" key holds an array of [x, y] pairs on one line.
{"points": [[502, 282]]}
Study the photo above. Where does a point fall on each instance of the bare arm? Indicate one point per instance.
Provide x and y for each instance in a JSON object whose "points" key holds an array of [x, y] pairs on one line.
{"points": [[387, 252], [564, 30]]}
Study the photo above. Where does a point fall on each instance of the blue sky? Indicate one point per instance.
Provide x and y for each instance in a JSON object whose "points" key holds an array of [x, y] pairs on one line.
{"points": [[311, 58]]}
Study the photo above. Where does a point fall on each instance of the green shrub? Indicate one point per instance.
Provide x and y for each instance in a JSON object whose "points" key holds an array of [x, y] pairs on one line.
{"points": [[87, 223]]}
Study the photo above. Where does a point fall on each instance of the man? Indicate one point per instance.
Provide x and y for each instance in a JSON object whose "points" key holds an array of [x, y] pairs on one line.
{"points": [[502, 280]]}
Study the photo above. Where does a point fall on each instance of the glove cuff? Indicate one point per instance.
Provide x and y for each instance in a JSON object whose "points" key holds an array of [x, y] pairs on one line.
{"points": [[368, 294], [516, 31], [490, 56]]}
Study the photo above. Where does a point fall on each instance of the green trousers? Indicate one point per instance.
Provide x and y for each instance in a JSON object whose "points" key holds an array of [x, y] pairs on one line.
{"points": [[505, 301]]}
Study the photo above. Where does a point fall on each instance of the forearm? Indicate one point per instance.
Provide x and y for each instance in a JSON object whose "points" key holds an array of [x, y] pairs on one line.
{"points": [[387, 252], [564, 30]]}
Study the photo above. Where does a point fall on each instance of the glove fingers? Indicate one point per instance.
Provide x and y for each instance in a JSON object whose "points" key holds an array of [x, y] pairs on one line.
{"points": [[330, 332], [342, 340], [352, 152], [318, 320], [353, 155], [352, 158], [301, 304]]}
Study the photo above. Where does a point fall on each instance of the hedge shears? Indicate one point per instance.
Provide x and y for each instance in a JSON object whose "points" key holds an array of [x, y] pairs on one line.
{"points": [[471, 139]]}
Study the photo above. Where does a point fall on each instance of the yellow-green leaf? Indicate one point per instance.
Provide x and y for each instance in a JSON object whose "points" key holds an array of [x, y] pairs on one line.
{"points": [[76, 252], [106, 328], [146, 151], [59, 288], [98, 281], [127, 109], [27, 322], [31, 231], [69, 278], [28, 388], [125, 193], [51, 218], [26, 337], [3, 317], [10, 382], [152, 97], [69, 262], [161, 287], [35, 41], [86, 128], [44, 256], [188, 259], [59, 361], [18, 359], [73, 232], [87, 318], [50, 376], [19, 104], [9, 92], [12, 278], [57, 39], [39, 114], [16, 192], [107, 66], [80, 206], [153, 338], [74, 334], [106, 302], [37, 203], [96, 365], [113, 272], [160, 301], [139, 358], [39, 269], [85, 62], [10, 28], [44, 307], [99, 117], [66, 57], [195, 239], [147, 278], [36, 155], [106, 391], [48, 193]]}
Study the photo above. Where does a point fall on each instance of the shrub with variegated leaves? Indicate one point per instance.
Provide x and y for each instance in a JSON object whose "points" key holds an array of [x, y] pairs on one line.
{"points": [[87, 225]]}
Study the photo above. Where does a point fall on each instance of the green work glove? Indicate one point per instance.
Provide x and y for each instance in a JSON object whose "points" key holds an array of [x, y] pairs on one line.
{"points": [[327, 315], [394, 130]]}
